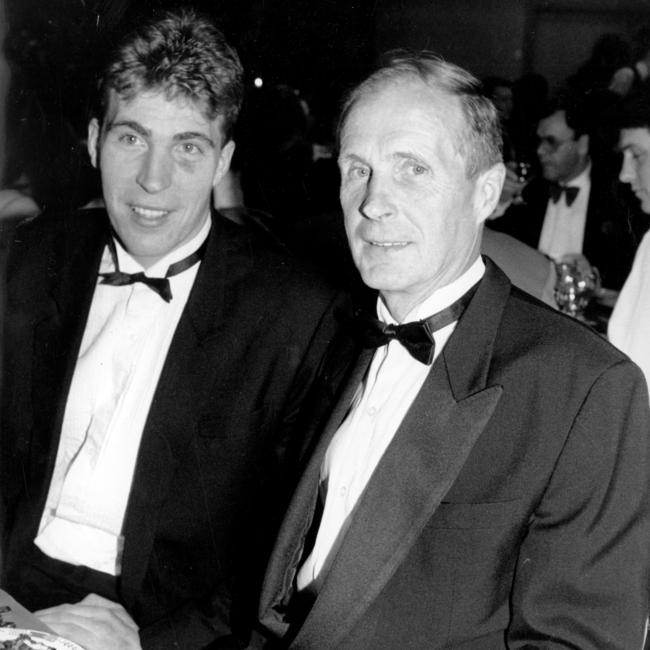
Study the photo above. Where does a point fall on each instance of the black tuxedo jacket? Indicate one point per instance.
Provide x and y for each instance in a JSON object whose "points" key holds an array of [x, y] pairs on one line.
{"points": [[609, 241], [222, 440], [509, 511]]}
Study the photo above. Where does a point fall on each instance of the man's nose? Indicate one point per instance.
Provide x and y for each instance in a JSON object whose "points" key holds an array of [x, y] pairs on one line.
{"points": [[626, 174], [376, 203], [155, 173]]}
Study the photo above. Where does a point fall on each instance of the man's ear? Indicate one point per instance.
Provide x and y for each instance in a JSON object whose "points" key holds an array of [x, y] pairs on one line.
{"points": [[223, 165], [583, 144], [93, 141], [487, 191]]}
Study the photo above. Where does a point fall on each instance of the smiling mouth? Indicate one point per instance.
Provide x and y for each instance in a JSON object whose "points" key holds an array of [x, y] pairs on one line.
{"points": [[148, 213], [389, 244]]}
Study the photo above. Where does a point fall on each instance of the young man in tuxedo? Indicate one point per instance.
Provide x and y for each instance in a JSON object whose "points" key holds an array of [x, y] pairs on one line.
{"points": [[157, 363], [628, 326], [482, 482]]}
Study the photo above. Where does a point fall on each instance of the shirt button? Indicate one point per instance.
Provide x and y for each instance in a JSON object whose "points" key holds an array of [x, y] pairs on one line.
{"points": [[372, 411], [343, 491]]}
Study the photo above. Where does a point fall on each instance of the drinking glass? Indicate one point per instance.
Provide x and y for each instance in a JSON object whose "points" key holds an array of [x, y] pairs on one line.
{"points": [[575, 286], [523, 171]]}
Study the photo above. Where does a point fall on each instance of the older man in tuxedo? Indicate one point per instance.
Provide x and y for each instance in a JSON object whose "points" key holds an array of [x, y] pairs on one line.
{"points": [[483, 481], [157, 363]]}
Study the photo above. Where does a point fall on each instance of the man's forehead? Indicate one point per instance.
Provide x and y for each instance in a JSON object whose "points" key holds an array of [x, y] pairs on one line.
{"points": [[407, 103], [502, 91], [555, 123], [183, 105], [639, 136]]}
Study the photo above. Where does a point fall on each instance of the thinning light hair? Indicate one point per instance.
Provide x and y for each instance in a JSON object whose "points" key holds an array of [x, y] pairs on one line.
{"points": [[478, 140]]}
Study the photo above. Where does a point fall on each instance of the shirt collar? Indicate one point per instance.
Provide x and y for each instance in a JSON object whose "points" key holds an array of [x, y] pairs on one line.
{"points": [[128, 265], [440, 298]]}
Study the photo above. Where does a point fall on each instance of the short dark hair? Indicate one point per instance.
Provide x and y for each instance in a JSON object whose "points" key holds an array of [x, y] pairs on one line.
{"points": [[183, 54], [579, 110], [481, 142], [634, 111]]}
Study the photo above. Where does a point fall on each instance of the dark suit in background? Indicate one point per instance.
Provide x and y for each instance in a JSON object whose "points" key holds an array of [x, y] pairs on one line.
{"points": [[220, 445], [609, 241]]}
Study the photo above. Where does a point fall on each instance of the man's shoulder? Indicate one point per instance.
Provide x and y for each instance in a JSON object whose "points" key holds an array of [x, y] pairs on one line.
{"points": [[605, 187], [559, 342], [39, 241], [48, 227]]}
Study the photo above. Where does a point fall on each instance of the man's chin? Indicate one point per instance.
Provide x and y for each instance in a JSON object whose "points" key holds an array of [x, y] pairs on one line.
{"points": [[383, 280], [645, 205]]}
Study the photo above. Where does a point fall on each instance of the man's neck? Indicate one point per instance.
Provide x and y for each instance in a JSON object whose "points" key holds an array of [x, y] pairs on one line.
{"points": [[576, 172], [393, 308]]}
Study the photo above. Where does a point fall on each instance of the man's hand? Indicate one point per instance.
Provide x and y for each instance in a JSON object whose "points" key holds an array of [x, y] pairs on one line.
{"points": [[580, 262], [95, 623], [510, 192], [512, 186]]}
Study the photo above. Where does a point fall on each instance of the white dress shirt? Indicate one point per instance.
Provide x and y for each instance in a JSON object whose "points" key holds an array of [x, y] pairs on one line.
{"points": [[563, 230], [629, 326], [122, 353], [390, 386]]}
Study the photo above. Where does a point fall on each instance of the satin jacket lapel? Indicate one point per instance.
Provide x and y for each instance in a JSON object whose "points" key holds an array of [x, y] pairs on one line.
{"points": [[281, 571], [417, 470], [57, 335], [185, 382]]}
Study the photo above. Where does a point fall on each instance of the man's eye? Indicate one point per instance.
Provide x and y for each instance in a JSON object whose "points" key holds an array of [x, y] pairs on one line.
{"points": [[191, 149], [129, 138], [359, 172], [416, 169]]}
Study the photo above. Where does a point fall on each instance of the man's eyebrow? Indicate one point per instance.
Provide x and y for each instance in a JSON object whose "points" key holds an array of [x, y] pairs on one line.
{"points": [[347, 157], [193, 135], [407, 155], [134, 126]]}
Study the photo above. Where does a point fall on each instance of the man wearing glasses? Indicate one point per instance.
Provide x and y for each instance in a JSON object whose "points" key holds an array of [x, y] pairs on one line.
{"points": [[571, 211]]}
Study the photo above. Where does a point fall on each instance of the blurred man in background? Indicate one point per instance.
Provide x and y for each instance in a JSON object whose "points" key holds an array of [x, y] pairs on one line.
{"points": [[572, 212], [629, 326]]}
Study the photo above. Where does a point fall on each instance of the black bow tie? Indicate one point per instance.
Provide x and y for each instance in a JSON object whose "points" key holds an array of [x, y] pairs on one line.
{"points": [[570, 193], [417, 336], [160, 285]]}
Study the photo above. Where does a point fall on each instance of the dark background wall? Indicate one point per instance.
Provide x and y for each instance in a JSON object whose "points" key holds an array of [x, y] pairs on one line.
{"points": [[318, 46]]}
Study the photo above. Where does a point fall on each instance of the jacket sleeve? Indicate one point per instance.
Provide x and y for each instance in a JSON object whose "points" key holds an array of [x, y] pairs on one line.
{"points": [[582, 573]]}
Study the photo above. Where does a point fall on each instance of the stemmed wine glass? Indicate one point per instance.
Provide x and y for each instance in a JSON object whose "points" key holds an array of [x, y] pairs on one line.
{"points": [[576, 284], [523, 171]]}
